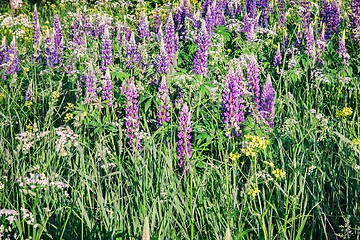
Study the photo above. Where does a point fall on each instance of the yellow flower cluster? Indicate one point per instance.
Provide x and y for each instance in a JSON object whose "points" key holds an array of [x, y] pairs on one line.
{"points": [[279, 173], [68, 117], [253, 145], [270, 164], [345, 112], [55, 95], [356, 142], [253, 192], [234, 156], [28, 104]]}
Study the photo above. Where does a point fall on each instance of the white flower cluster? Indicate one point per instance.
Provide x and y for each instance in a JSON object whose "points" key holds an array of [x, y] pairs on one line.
{"points": [[36, 180], [6, 227], [28, 138], [10, 21], [66, 139]]}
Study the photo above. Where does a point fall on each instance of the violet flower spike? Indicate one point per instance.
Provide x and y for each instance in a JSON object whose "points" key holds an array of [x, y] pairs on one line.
{"points": [[277, 57], [233, 103], [132, 114], [165, 103], [163, 63], [169, 37], [107, 89], [144, 29], [133, 55], [184, 152], [267, 103], [90, 85], [4, 57], [37, 35], [13, 60], [106, 51], [342, 50], [157, 21], [200, 64], [254, 81], [310, 42], [58, 41], [48, 49]]}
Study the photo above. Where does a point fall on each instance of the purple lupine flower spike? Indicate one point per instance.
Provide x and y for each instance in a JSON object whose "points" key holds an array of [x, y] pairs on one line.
{"points": [[267, 103], [106, 51], [333, 22], [58, 41], [132, 114], [354, 17], [48, 49], [264, 18], [254, 81], [163, 63], [90, 85], [281, 8], [157, 21], [184, 152], [37, 35], [342, 50], [165, 103], [169, 37], [13, 60], [210, 19], [251, 8], [322, 41], [310, 42], [233, 103], [144, 30], [29, 93], [133, 55], [3, 58], [277, 57], [107, 89], [204, 7], [200, 65]]}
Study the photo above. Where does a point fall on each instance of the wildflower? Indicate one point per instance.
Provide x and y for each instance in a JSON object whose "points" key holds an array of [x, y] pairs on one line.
{"points": [[267, 102], [234, 156], [90, 84], [310, 42], [277, 57], [28, 104], [29, 128], [169, 37], [233, 103], [66, 139], [356, 142], [107, 89], [106, 51], [143, 29], [322, 41], [132, 114], [270, 164], [68, 117], [251, 8], [264, 18], [342, 49], [184, 145], [281, 9], [163, 110], [13, 60], [345, 112], [55, 95], [49, 49], [200, 65], [37, 35], [29, 93], [254, 144], [133, 56], [163, 62], [58, 41], [254, 81], [210, 19], [253, 192], [278, 173], [157, 21]]}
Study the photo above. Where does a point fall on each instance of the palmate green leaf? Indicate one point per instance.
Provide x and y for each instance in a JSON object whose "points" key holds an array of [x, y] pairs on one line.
{"points": [[224, 32]]}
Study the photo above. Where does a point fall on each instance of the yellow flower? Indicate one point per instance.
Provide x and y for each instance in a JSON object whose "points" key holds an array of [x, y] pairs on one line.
{"points": [[234, 156], [68, 117], [345, 112], [279, 173], [26, 69], [69, 106], [270, 164], [55, 95], [254, 144], [356, 142], [253, 192], [29, 128], [28, 103]]}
